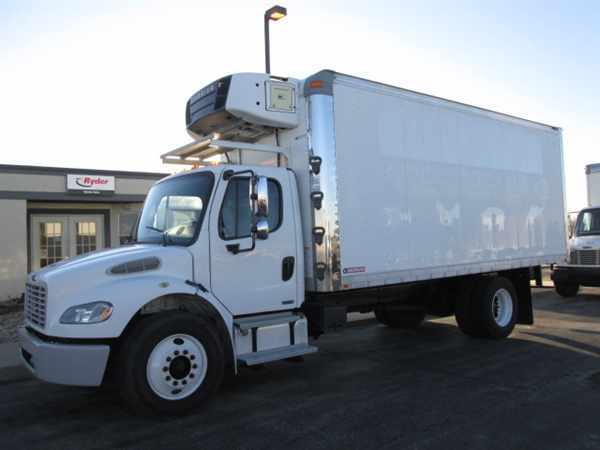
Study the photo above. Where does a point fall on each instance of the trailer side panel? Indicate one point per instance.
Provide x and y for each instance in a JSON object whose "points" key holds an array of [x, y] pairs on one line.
{"points": [[429, 188]]}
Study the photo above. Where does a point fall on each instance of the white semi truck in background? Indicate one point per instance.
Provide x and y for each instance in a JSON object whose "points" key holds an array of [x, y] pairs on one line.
{"points": [[592, 181], [314, 198], [582, 265]]}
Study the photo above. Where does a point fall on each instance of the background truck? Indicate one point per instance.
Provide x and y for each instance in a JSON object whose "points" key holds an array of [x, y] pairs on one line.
{"points": [[582, 265], [592, 179], [316, 198]]}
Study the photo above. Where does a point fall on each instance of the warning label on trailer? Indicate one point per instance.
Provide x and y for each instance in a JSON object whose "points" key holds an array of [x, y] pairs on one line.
{"points": [[357, 269]]}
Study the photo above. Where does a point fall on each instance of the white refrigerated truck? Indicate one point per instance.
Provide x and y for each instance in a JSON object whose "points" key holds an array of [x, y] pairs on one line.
{"points": [[314, 198], [582, 264]]}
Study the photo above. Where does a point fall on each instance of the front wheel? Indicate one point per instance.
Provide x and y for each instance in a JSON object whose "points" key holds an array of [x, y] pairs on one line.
{"points": [[170, 363]]}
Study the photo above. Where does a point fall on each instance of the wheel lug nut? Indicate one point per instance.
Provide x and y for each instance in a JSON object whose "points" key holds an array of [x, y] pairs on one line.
{"points": [[185, 352], [175, 383], [176, 352], [165, 369], [168, 358], [194, 366], [191, 375], [184, 382], [168, 378], [192, 357]]}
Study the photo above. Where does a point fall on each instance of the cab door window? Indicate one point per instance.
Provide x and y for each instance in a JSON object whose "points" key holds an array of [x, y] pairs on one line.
{"points": [[235, 220]]}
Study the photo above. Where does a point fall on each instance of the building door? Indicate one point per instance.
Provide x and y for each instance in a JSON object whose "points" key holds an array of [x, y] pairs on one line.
{"points": [[60, 236]]}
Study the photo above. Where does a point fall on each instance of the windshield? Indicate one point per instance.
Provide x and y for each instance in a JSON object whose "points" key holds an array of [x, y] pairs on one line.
{"points": [[174, 209], [588, 222]]}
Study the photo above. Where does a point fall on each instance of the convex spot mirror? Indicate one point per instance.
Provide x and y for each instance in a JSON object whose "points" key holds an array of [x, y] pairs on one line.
{"points": [[261, 229], [259, 196]]}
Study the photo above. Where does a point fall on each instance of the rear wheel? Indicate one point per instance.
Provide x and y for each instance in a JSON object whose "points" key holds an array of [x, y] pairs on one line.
{"points": [[490, 311], [170, 364], [464, 311], [567, 290], [496, 308], [398, 318]]}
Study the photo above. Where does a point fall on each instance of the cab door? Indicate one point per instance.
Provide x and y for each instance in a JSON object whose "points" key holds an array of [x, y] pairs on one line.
{"points": [[260, 279]]}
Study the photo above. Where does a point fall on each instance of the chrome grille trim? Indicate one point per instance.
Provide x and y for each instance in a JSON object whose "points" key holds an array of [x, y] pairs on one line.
{"points": [[36, 295], [585, 257]]}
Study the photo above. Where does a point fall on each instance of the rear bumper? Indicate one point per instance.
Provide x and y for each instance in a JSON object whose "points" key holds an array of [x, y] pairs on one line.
{"points": [[585, 276], [72, 364]]}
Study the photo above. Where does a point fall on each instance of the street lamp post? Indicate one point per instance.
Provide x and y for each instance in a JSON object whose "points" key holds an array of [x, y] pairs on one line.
{"points": [[275, 13]]}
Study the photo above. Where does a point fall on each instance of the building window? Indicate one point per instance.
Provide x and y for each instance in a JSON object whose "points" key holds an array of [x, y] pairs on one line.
{"points": [[85, 239], [127, 221], [51, 244]]}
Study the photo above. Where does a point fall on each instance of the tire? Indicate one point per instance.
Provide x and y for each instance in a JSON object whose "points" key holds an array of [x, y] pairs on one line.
{"points": [[380, 316], [170, 363], [567, 290], [495, 308], [398, 318], [464, 311]]}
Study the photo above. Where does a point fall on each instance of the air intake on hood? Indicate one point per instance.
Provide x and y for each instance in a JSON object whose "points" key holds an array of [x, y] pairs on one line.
{"points": [[138, 265]]}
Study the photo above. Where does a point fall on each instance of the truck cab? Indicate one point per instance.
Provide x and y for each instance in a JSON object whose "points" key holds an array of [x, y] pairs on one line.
{"points": [[582, 267], [214, 278]]}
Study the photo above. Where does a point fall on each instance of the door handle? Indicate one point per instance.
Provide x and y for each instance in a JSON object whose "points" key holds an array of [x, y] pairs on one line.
{"points": [[287, 268]]}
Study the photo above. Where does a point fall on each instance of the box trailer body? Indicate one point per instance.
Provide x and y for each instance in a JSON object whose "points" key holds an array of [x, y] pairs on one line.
{"points": [[427, 188], [316, 197], [592, 179]]}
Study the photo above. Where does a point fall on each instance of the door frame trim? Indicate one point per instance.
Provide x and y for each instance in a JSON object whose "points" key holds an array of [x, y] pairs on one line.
{"points": [[66, 211]]}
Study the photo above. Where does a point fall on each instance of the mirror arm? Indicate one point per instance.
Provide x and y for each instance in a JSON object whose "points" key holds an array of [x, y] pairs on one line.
{"points": [[228, 174], [235, 248]]}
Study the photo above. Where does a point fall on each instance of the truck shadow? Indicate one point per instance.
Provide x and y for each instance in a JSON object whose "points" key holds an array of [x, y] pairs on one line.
{"points": [[584, 305], [572, 343], [366, 368]]}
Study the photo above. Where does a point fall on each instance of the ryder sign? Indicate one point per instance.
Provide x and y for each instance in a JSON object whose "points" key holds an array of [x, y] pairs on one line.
{"points": [[91, 184]]}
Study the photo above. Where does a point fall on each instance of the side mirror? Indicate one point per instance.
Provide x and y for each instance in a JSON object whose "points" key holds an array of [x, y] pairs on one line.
{"points": [[259, 196], [261, 229]]}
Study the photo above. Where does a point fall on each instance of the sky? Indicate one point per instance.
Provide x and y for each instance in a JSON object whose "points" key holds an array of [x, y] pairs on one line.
{"points": [[103, 84]]}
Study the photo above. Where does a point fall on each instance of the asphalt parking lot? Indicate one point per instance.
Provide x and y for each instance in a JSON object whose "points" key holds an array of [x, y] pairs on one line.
{"points": [[368, 387]]}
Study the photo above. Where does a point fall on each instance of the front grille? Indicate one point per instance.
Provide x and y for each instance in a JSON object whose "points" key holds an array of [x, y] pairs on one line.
{"points": [[35, 304], [585, 257]]}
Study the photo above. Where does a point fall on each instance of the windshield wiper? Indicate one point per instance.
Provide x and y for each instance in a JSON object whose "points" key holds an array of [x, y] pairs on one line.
{"points": [[162, 232]]}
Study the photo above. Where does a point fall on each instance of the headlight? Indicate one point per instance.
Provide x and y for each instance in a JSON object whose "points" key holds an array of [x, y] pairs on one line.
{"points": [[89, 313]]}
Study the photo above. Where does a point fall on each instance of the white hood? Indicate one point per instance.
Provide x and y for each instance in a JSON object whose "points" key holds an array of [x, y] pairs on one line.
{"points": [[585, 243], [109, 255], [88, 278]]}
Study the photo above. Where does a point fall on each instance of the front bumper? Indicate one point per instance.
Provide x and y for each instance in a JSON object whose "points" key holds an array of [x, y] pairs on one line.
{"points": [[72, 364], [583, 275]]}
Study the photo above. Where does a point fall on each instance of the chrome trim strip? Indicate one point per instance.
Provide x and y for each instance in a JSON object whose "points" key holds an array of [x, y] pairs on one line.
{"points": [[322, 139]]}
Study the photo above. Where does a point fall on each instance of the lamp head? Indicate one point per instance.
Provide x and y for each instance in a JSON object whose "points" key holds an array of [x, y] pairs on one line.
{"points": [[275, 13]]}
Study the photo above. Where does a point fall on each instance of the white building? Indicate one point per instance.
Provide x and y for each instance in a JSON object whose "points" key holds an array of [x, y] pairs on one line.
{"points": [[51, 213]]}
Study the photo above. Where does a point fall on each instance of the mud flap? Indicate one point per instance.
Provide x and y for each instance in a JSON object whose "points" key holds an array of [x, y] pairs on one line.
{"points": [[520, 279]]}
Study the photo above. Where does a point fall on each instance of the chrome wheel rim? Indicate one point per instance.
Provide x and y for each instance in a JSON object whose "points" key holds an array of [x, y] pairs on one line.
{"points": [[176, 367], [502, 307]]}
